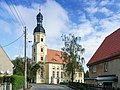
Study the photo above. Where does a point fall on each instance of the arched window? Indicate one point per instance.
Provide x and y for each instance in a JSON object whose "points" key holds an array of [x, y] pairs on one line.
{"points": [[57, 67], [53, 74], [61, 74], [53, 67], [41, 49], [42, 74], [41, 39], [41, 58], [57, 74]]}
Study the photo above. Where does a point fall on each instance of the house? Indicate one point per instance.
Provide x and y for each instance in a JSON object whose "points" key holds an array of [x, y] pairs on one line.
{"points": [[104, 69], [52, 70], [6, 70], [6, 66]]}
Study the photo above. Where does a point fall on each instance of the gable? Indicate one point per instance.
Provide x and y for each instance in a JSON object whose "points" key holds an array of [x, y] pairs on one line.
{"points": [[5, 62], [109, 47]]}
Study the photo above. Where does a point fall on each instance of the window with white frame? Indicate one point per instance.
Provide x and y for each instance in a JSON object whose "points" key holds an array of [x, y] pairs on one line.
{"points": [[94, 69], [53, 74], [41, 49], [105, 66], [41, 39], [41, 58], [61, 67], [57, 68], [61, 74], [57, 74]]}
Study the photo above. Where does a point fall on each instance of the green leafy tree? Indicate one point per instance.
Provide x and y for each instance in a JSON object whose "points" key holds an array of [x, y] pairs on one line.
{"points": [[86, 74], [19, 66], [72, 54]]}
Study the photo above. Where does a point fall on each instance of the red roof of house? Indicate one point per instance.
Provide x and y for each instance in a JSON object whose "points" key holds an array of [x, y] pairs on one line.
{"points": [[53, 56], [109, 47]]}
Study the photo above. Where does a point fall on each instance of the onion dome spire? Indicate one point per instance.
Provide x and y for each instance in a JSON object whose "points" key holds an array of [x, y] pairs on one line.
{"points": [[39, 27]]}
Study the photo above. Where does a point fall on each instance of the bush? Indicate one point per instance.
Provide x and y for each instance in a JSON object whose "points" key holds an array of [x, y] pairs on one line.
{"points": [[64, 83], [17, 82]]}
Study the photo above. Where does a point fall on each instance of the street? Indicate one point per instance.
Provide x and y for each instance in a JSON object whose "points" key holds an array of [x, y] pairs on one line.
{"points": [[49, 87]]}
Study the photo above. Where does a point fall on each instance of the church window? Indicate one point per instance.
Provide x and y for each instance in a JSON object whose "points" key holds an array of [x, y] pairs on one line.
{"points": [[42, 58], [61, 67], [41, 49], [53, 74], [34, 58], [41, 39], [41, 74], [61, 74], [57, 74], [57, 68]]}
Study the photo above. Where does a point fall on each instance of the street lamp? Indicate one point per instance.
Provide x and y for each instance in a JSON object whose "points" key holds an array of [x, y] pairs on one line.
{"points": [[29, 47]]}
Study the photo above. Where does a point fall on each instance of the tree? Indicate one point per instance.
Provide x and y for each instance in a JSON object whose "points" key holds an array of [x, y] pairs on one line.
{"points": [[19, 66], [86, 75], [72, 51]]}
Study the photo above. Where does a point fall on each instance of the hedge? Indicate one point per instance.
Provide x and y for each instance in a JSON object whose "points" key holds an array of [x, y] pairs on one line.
{"points": [[17, 82]]}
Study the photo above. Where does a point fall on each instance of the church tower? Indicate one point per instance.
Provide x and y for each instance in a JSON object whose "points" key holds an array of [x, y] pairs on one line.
{"points": [[39, 48]]}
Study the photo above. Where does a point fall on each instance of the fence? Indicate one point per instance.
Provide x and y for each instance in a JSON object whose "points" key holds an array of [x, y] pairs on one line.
{"points": [[5, 83], [6, 86], [83, 86]]}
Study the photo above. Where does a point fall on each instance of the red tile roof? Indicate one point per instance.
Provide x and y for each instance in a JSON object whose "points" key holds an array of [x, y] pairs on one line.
{"points": [[109, 47], [53, 56]]}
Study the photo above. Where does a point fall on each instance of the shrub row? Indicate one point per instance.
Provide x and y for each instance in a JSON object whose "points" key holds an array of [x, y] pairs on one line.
{"points": [[17, 82]]}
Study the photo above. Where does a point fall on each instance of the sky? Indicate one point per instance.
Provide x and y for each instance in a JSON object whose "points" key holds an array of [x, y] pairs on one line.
{"points": [[92, 20]]}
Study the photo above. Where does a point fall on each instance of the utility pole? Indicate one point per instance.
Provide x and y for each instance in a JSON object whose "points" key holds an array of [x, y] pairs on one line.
{"points": [[25, 60]]}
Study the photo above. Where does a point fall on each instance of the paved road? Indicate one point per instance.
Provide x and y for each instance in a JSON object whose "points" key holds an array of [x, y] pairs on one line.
{"points": [[49, 87]]}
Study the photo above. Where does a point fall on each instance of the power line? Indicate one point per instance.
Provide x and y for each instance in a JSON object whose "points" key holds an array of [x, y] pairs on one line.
{"points": [[17, 18], [17, 12], [13, 41]]}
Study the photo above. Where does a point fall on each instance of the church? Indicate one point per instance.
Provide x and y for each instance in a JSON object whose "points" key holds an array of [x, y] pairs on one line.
{"points": [[51, 65]]}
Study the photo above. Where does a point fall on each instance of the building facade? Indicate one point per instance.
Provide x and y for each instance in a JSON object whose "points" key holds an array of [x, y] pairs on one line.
{"points": [[51, 70], [6, 70], [104, 67], [6, 66]]}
